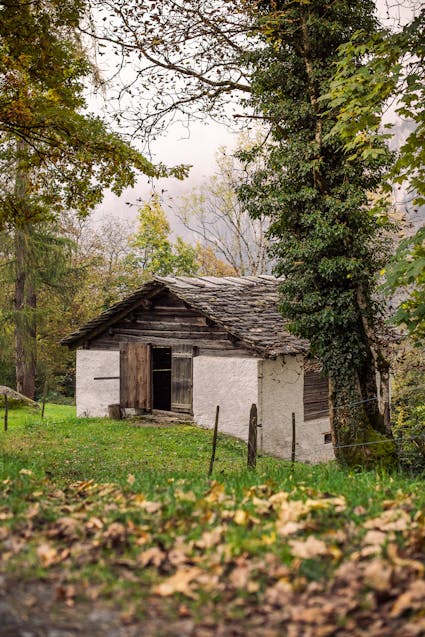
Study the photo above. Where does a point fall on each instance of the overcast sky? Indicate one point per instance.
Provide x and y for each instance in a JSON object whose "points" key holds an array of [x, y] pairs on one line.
{"points": [[198, 147]]}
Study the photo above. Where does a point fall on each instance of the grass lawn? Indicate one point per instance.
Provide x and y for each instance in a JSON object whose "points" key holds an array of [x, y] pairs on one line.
{"points": [[130, 513]]}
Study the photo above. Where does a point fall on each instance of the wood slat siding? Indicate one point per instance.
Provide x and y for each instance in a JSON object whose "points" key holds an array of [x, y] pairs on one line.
{"points": [[181, 378], [316, 399], [168, 322], [135, 375]]}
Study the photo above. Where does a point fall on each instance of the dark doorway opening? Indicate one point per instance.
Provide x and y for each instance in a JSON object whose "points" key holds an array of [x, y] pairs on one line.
{"points": [[161, 378]]}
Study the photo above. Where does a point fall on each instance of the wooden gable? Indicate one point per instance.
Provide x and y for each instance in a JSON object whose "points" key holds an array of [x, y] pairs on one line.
{"points": [[165, 320]]}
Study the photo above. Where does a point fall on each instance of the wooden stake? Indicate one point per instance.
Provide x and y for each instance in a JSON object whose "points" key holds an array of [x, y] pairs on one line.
{"points": [[214, 441], [293, 438], [252, 437], [44, 398], [6, 412]]}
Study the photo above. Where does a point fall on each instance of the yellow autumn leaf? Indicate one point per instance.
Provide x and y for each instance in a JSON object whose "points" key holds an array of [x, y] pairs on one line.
{"points": [[291, 511], [268, 539], [25, 472], [241, 517], [216, 493]]}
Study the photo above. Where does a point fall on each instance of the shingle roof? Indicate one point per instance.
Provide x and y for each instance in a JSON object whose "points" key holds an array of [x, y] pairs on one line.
{"points": [[246, 307]]}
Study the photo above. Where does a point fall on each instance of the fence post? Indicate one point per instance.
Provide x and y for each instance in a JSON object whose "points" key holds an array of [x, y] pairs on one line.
{"points": [[43, 405], [293, 438], [214, 441], [6, 411], [252, 437]]}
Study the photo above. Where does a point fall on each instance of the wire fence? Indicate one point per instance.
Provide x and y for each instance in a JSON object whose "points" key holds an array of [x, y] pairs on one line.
{"points": [[407, 445]]}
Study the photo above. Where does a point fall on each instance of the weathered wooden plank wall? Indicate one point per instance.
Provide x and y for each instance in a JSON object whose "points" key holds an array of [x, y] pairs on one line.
{"points": [[316, 396], [168, 322]]}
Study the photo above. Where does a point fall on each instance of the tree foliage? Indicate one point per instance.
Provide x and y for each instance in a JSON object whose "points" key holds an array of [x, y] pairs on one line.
{"points": [[153, 251], [371, 72], [69, 155], [54, 156]]}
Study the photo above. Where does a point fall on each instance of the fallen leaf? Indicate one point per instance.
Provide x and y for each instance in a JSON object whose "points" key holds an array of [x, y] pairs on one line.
{"points": [[47, 555], [216, 493], [306, 549], [391, 520], [412, 599], [377, 575], [375, 538], [116, 533], [278, 594], [178, 583], [241, 517], [415, 565], [185, 496], [239, 577], [4, 532], [131, 479], [25, 472], [359, 510], [210, 538], [94, 523], [291, 511], [277, 499], [150, 507], [288, 528], [152, 556], [261, 506], [177, 557], [66, 594]]}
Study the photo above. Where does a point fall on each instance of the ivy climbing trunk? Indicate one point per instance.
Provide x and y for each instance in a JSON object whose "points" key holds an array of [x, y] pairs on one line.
{"points": [[327, 245]]}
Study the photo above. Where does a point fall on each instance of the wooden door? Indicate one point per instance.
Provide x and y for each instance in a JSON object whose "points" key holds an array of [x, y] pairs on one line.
{"points": [[135, 375], [181, 378]]}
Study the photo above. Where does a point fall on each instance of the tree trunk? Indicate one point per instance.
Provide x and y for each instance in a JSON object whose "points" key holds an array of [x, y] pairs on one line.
{"points": [[25, 297], [25, 321], [357, 433]]}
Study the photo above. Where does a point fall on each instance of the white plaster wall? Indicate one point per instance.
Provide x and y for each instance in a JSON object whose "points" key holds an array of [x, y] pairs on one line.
{"points": [[94, 396], [231, 383], [281, 394], [311, 446]]}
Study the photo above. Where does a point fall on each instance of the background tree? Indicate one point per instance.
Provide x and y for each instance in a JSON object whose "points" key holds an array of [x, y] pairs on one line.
{"points": [[153, 252], [327, 242], [53, 156], [214, 213]]}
